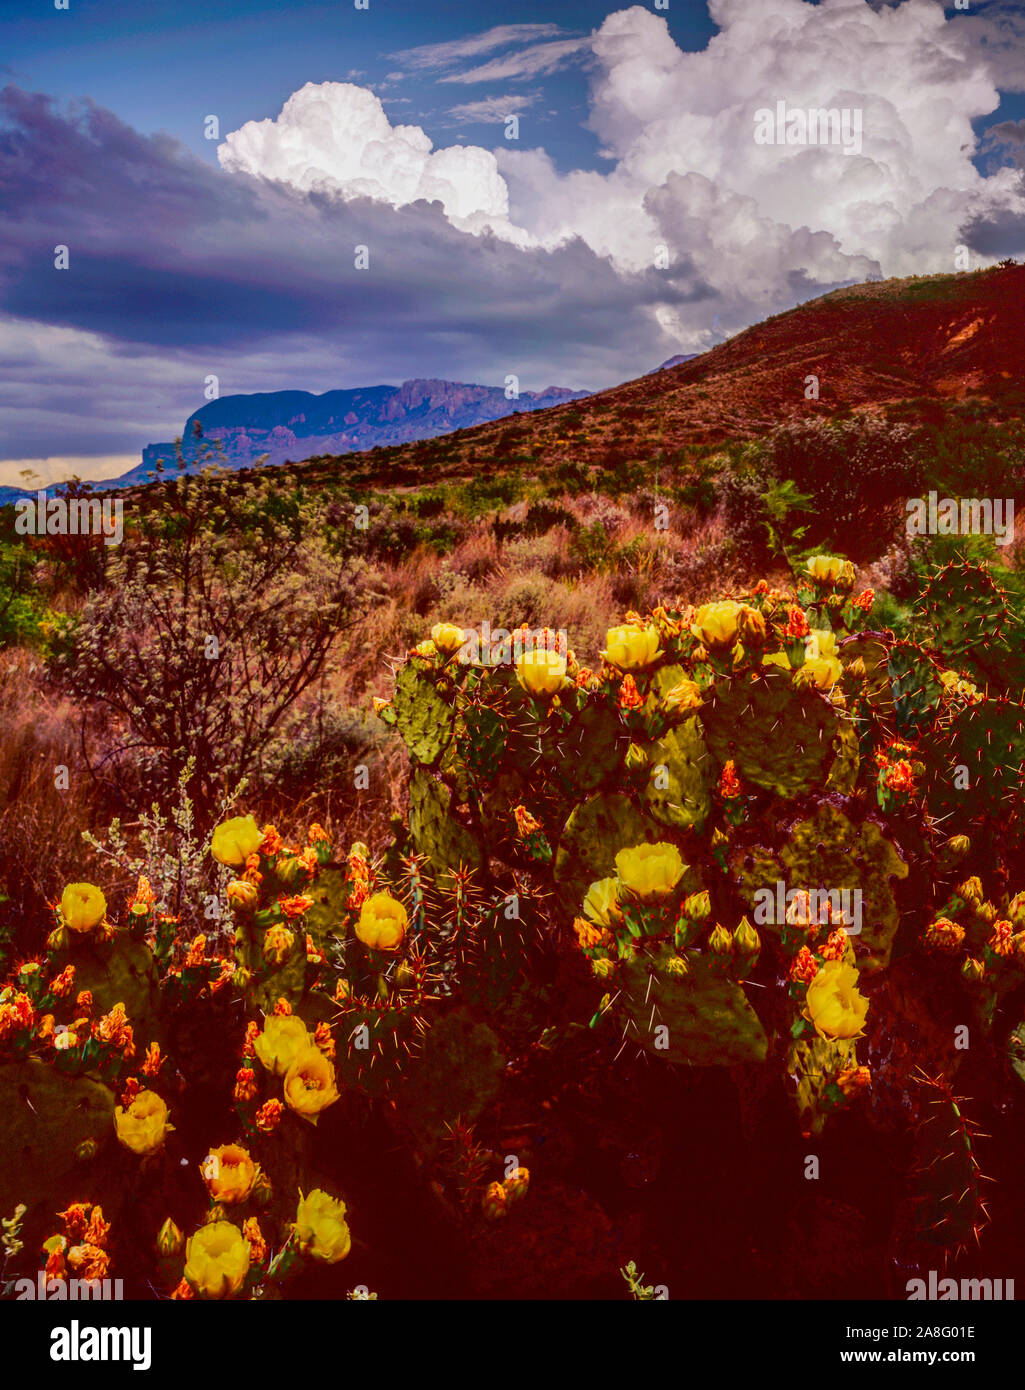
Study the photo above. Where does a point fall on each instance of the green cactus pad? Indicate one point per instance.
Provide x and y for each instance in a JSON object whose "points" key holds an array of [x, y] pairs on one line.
{"points": [[592, 747], [685, 800], [330, 894], [843, 775], [948, 1196], [974, 764], [827, 850], [47, 1114], [497, 952], [916, 688], [482, 740], [433, 828], [456, 1075], [706, 1017], [969, 618], [421, 716], [779, 737]]}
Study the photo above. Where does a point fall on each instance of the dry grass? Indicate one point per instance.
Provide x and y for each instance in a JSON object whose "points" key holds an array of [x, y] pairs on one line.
{"points": [[548, 580], [41, 846]]}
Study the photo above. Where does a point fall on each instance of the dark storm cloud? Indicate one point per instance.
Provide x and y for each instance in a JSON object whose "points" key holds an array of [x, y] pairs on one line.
{"points": [[999, 234], [166, 251]]}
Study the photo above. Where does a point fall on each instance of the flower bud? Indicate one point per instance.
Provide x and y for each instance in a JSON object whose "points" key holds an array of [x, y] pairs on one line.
{"points": [[746, 941], [1016, 911], [495, 1202], [242, 894], [697, 906], [290, 871], [262, 1192], [58, 938], [277, 943], [958, 846], [170, 1241], [720, 942], [971, 890], [86, 1150], [973, 970], [516, 1184], [683, 698], [854, 1080], [944, 936], [636, 758], [751, 626]]}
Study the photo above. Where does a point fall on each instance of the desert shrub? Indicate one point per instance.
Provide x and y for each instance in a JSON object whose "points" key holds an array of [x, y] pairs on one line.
{"points": [[214, 620], [323, 745], [591, 547], [740, 492], [543, 516], [853, 471]]}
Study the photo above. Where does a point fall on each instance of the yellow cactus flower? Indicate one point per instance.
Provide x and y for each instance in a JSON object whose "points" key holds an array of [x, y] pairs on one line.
{"points": [[235, 840], [826, 569], [821, 667], [310, 1084], [382, 923], [834, 1005], [601, 904], [83, 907], [283, 1039], [541, 672], [447, 637], [650, 871], [822, 672], [321, 1228], [229, 1173], [718, 624], [143, 1126], [217, 1260], [632, 646]]}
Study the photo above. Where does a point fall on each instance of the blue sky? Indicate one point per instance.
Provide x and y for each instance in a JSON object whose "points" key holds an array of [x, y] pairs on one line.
{"points": [[166, 67], [634, 216]]}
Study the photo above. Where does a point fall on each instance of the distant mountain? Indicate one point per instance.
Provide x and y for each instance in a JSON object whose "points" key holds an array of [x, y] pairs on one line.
{"points": [[675, 361], [281, 426]]}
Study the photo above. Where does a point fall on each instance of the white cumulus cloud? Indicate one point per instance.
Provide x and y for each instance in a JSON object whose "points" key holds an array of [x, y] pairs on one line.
{"points": [[335, 138]]}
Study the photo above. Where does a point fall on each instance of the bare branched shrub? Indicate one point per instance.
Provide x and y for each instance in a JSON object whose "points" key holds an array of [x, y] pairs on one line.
{"points": [[221, 608]]}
